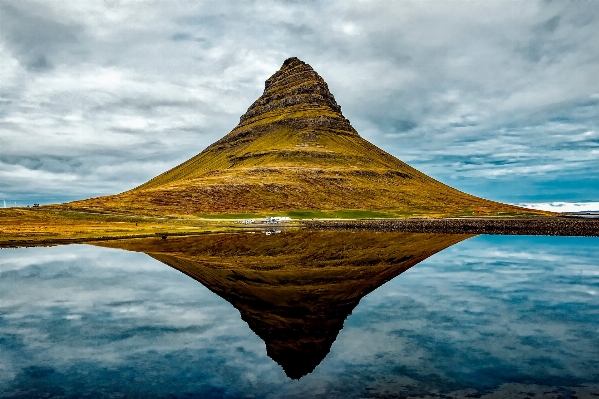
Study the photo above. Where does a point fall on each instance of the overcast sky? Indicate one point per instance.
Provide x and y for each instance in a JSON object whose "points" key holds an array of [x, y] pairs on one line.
{"points": [[499, 99]]}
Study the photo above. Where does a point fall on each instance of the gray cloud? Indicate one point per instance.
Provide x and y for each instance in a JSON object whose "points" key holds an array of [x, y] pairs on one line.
{"points": [[35, 35], [466, 93]]}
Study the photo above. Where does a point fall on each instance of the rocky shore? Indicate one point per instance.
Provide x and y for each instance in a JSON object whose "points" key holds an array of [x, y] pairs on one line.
{"points": [[551, 226]]}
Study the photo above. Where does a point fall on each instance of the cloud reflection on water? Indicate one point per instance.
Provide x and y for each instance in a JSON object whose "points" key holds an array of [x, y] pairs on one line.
{"points": [[465, 319], [486, 312]]}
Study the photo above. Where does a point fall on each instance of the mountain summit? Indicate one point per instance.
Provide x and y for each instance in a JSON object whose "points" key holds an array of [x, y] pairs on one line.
{"points": [[290, 125], [294, 150]]}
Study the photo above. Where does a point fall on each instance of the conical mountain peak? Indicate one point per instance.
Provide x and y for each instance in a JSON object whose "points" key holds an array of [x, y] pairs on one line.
{"points": [[296, 83], [294, 150], [289, 65]]}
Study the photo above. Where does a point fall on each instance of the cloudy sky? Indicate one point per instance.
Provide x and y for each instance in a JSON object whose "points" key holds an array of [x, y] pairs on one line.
{"points": [[500, 99]]}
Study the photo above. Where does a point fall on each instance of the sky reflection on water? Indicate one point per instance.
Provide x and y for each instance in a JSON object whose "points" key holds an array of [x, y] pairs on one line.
{"points": [[482, 317]]}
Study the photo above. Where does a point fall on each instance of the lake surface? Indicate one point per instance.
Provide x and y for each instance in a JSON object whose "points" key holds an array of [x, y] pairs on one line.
{"points": [[348, 315]]}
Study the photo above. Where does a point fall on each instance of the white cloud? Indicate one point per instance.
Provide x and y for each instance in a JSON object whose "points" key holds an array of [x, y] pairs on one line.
{"points": [[18, 173], [564, 206]]}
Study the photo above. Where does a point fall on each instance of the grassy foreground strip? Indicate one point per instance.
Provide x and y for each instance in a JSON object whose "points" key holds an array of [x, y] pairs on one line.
{"points": [[51, 226], [29, 227], [551, 226]]}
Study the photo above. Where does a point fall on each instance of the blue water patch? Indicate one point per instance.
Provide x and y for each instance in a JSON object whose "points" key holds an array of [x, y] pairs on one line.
{"points": [[488, 311], [485, 314]]}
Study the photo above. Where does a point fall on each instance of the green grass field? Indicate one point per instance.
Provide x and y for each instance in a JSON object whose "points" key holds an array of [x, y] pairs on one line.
{"points": [[350, 214], [309, 214]]}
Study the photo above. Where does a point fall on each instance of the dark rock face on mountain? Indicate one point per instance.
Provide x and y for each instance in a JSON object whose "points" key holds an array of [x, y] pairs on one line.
{"points": [[294, 289], [293, 150], [295, 83]]}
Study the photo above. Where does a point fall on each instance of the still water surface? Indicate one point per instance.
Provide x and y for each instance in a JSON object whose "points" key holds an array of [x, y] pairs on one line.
{"points": [[491, 316]]}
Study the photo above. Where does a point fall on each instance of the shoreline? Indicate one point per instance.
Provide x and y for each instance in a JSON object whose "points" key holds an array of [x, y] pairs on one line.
{"points": [[51, 242], [558, 226], [548, 226]]}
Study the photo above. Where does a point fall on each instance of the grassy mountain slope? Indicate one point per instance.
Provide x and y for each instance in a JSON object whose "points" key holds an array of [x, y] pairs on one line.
{"points": [[294, 150]]}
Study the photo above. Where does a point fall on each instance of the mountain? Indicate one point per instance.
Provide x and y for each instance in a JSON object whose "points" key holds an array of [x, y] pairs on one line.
{"points": [[294, 150], [294, 289]]}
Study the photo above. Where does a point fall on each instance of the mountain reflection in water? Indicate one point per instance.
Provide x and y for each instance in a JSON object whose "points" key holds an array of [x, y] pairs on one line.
{"points": [[295, 289]]}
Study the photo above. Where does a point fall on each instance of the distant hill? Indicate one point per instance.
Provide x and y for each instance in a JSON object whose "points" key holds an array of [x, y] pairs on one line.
{"points": [[293, 150]]}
